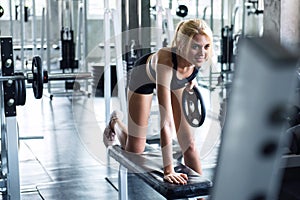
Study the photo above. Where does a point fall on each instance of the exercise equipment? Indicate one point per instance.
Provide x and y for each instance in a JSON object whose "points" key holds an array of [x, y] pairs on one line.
{"points": [[252, 18], [164, 25], [37, 77], [12, 94], [193, 107], [182, 11], [168, 27], [82, 39], [67, 60], [253, 7], [227, 43], [20, 93], [132, 53], [69, 63], [228, 37], [251, 148], [291, 155], [9, 176], [1, 11], [293, 135], [148, 167], [108, 15], [18, 11], [68, 49]]}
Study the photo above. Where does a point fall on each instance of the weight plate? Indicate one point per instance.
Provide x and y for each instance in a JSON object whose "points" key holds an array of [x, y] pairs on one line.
{"points": [[20, 92], [17, 92], [1, 11], [23, 93], [38, 77], [182, 11], [193, 107]]}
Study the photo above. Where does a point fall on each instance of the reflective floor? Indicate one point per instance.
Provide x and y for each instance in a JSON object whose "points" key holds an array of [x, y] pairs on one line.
{"points": [[62, 155]]}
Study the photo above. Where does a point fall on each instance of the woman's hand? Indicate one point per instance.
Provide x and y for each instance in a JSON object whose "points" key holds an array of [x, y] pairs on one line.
{"points": [[191, 84], [176, 178]]}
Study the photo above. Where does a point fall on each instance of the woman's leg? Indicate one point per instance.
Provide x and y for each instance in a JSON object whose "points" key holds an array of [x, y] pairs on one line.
{"points": [[133, 139], [119, 128], [139, 106], [185, 134]]}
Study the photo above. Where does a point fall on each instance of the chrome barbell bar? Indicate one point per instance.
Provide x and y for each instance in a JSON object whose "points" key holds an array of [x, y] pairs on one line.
{"points": [[49, 77]]}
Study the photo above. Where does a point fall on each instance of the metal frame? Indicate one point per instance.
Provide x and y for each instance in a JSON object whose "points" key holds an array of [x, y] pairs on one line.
{"points": [[9, 131], [127, 163], [249, 165], [122, 183], [80, 49], [12, 176], [109, 15]]}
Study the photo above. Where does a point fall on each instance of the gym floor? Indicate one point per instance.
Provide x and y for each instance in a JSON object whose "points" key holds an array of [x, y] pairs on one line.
{"points": [[62, 155]]}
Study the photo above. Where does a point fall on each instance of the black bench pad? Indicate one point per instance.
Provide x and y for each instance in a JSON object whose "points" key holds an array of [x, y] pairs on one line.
{"points": [[148, 167]]}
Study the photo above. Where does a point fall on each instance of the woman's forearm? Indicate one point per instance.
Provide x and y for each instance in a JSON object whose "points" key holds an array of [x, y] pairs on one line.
{"points": [[167, 150]]}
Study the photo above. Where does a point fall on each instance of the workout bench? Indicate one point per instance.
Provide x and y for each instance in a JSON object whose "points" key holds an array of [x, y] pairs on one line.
{"points": [[148, 167]]}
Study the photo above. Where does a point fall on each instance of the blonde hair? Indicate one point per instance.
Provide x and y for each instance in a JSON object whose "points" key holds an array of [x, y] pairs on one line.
{"points": [[186, 30]]}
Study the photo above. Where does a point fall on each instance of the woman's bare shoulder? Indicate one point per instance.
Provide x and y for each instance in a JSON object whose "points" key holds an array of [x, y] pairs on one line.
{"points": [[163, 56], [164, 51]]}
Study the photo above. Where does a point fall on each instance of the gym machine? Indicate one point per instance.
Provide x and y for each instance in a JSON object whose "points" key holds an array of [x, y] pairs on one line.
{"points": [[10, 181], [250, 159], [132, 53], [12, 94], [112, 15], [252, 20], [164, 28], [229, 39], [228, 42], [68, 62]]}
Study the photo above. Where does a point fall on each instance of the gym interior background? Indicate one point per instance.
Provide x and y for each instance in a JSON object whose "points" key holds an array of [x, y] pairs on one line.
{"points": [[51, 145]]}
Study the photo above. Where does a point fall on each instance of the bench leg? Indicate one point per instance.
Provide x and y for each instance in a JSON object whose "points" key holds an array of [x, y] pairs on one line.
{"points": [[123, 189]]}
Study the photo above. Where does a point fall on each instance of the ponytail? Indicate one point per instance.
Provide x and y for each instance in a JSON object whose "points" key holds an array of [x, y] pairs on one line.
{"points": [[174, 41]]}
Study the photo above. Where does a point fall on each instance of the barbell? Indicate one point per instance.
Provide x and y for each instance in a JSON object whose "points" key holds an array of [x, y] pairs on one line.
{"points": [[38, 77]]}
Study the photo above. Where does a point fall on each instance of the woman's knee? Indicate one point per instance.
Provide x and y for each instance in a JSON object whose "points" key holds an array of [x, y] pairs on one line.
{"points": [[190, 150], [135, 145]]}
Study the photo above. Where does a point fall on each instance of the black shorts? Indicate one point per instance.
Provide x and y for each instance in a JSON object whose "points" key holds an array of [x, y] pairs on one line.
{"points": [[139, 80]]}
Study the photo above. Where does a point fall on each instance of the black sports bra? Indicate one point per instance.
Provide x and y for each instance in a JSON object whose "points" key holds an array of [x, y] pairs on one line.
{"points": [[175, 82]]}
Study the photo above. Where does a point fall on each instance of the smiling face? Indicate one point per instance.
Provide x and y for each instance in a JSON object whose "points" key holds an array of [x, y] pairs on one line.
{"points": [[198, 50], [194, 41]]}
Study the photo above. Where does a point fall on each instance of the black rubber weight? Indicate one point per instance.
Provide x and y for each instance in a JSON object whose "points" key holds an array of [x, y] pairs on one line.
{"points": [[38, 77], [191, 101]]}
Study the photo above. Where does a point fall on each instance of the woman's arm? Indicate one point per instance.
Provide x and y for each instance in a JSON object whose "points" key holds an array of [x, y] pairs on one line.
{"points": [[164, 71]]}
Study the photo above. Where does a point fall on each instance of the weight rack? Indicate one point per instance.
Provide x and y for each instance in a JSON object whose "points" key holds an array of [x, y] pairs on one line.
{"points": [[10, 179], [12, 94]]}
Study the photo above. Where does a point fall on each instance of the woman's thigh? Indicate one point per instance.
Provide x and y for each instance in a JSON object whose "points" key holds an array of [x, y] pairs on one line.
{"points": [[139, 106]]}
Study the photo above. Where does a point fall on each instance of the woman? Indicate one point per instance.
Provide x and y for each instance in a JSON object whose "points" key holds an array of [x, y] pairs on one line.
{"points": [[170, 70]]}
